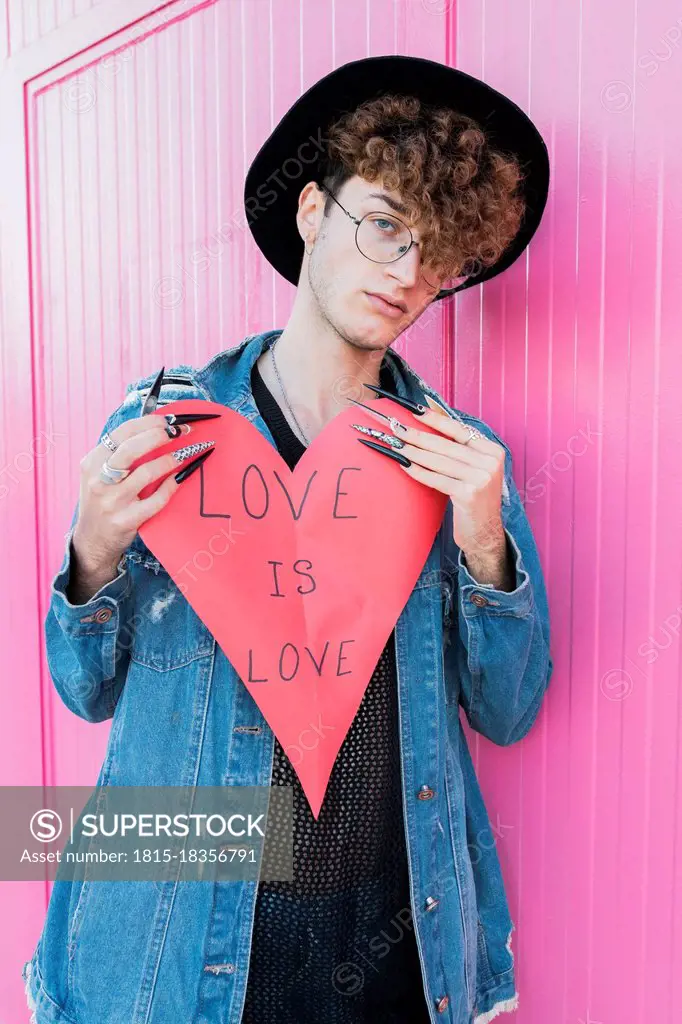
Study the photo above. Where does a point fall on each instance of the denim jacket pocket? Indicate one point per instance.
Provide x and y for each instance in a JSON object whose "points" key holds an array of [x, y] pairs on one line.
{"points": [[483, 969]]}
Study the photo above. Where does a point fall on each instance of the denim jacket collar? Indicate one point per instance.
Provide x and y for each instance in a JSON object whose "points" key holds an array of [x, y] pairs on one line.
{"points": [[234, 388]]}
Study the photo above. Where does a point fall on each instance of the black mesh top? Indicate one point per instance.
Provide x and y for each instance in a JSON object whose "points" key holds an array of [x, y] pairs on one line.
{"points": [[336, 944]]}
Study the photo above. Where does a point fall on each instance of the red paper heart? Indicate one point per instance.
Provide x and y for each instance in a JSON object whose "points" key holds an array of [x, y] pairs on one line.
{"points": [[299, 576]]}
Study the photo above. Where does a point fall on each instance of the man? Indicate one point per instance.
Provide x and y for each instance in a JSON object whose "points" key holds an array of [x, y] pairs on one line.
{"points": [[396, 911]]}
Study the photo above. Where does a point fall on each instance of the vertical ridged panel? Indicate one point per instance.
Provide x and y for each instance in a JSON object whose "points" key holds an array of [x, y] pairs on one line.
{"points": [[140, 256], [573, 357], [29, 20]]}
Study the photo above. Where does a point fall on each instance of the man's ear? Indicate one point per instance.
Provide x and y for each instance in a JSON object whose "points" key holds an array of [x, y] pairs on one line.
{"points": [[305, 214]]}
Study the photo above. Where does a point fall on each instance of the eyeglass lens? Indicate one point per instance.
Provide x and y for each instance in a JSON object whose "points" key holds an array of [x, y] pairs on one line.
{"points": [[384, 239]]}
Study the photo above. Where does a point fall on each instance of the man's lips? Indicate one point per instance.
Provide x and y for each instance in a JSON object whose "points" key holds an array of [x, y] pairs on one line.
{"points": [[385, 305]]}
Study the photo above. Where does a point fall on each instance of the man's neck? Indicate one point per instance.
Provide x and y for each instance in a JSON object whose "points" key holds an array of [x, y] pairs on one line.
{"points": [[320, 371]]}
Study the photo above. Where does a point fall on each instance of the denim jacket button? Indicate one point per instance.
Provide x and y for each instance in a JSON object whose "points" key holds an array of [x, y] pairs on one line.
{"points": [[479, 599], [102, 615], [425, 792], [430, 903], [442, 1004]]}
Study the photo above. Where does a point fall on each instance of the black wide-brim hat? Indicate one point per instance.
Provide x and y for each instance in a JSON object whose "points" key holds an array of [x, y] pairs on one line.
{"points": [[293, 153]]}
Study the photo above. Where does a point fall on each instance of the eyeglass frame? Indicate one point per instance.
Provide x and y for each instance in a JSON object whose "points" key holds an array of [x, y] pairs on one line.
{"points": [[442, 292]]}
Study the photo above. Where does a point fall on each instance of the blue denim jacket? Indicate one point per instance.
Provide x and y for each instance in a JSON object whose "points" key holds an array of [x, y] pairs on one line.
{"points": [[177, 952]]}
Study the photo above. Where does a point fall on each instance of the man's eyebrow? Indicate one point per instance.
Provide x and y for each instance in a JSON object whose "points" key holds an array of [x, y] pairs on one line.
{"points": [[393, 203]]}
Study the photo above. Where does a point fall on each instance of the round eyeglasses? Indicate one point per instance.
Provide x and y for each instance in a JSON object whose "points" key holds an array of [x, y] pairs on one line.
{"points": [[384, 238]]}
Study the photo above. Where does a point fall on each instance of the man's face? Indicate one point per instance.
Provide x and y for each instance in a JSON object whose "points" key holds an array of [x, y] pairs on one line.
{"points": [[342, 279]]}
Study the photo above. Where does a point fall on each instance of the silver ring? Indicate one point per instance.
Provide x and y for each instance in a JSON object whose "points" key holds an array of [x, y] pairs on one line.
{"points": [[109, 442], [472, 434], [110, 475]]}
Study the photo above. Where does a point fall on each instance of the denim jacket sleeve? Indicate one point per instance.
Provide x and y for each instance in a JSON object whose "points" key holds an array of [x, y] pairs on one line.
{"points": [[87, 645], [496, 642]]}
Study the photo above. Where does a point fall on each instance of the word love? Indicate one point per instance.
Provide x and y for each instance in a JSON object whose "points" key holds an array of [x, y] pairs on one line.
{"points": [[289, 662], [255, 494]]}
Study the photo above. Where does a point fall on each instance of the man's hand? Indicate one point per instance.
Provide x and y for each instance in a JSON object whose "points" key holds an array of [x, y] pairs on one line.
{"points": [[471, 473]]}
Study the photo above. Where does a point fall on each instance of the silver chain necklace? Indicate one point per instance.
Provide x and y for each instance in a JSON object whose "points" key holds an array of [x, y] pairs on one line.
{"points": [[284, 394]]}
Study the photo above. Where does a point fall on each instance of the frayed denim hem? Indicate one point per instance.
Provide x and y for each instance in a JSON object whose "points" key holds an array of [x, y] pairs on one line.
{"points": [[27, 971]]}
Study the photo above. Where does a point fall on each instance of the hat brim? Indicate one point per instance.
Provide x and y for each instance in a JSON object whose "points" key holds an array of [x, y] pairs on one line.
{"points": [[292, 153]]}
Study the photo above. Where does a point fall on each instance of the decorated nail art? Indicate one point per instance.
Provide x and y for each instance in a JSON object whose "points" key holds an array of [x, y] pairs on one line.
{"points": [[394, 442], [191, 449], [174, 429]]}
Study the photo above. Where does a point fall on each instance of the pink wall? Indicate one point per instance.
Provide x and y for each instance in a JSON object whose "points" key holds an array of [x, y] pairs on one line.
{"points": [[122, 247]]}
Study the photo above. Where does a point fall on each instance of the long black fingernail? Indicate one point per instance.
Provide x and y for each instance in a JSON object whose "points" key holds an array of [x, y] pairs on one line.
{"points": [[190, 417], [152, 398], [191, 466], [414, 407], [402, 459], [376, 412]]}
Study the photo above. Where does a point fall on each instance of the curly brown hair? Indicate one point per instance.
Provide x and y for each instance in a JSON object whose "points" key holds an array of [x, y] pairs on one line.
{"points": [[464, 192]]}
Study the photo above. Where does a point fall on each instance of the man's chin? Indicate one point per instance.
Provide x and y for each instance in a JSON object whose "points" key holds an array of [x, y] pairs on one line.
{"points": [[368, 343], [374, 333]]}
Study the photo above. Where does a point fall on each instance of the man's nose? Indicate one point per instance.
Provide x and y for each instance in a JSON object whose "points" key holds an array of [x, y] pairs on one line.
{"points": [[407, 268]]}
